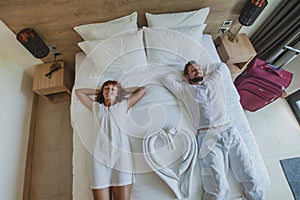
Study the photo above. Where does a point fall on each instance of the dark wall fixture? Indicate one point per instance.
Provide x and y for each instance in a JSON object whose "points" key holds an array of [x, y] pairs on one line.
{"points": [[33, 43], [38, 48], [251, 11], [249, 14]]}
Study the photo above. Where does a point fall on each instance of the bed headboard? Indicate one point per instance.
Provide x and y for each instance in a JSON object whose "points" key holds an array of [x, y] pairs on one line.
{"points": [[54, 20]]}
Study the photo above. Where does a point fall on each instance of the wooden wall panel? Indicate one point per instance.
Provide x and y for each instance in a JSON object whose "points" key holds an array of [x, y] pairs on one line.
{"points": [[54, 20]]}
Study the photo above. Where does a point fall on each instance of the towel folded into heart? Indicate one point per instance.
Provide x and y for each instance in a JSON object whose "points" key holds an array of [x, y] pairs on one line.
{"points": [[173, 165]]}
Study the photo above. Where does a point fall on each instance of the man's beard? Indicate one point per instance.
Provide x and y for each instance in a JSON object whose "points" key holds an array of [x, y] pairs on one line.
{"points": [[197, 79]]}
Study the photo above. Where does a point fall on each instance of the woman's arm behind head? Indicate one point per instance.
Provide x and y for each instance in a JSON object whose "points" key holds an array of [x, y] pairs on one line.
{"points": [[136, 96], [83, 95]]}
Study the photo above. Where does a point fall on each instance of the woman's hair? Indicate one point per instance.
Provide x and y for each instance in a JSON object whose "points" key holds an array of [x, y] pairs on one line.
{"points": [[121, 92], [186, 67]]}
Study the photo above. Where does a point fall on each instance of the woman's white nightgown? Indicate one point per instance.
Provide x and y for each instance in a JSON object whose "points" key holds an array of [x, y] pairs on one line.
{"points": [[111, 162]]}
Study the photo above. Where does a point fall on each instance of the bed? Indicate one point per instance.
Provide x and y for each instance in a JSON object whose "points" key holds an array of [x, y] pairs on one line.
{"points": [[161, 135]]}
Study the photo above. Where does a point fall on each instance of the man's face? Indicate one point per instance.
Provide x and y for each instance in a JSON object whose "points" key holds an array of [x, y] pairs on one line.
{"points": [[195, 74]]}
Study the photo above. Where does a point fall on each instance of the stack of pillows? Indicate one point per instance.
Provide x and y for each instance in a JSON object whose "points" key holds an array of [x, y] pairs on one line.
{"points": [[191, 24]]}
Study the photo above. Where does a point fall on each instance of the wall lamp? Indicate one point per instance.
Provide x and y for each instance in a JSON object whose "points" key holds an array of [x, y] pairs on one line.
{"points": [[249, 14], [29, 38], [33, 43]]}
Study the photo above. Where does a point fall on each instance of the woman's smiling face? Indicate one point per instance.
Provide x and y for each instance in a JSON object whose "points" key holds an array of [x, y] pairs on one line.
{"points": [[110, 92]]}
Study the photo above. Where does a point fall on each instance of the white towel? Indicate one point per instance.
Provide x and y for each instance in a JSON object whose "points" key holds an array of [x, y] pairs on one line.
{"points": [[173, 165]]}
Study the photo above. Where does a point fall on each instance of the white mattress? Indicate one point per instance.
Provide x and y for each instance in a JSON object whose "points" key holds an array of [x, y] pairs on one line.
{"points": [[148, 184]]}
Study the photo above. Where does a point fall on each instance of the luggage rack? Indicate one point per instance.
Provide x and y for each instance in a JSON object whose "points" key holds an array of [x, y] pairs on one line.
{"points": [[280, 53]]}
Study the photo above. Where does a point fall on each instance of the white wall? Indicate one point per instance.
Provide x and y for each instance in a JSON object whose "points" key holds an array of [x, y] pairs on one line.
{"points": [[15, 113], [15, 106]]}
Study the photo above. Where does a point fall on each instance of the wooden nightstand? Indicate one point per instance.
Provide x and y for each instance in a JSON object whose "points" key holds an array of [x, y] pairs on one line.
{"points": [[56, 88], [238, 54]]}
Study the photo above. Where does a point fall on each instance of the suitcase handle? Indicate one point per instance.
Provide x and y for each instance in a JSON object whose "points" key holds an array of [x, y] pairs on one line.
{"points": [[271, 70]]}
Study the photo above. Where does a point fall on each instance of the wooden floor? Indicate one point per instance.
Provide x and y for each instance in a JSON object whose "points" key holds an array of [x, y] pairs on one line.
{"points": [[51, 166]]}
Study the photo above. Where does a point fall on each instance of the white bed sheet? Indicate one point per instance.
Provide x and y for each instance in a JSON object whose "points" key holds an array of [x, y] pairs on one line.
{"points": [[149, 185]]}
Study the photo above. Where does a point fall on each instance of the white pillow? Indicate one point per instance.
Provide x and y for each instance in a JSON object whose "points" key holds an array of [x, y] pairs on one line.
{"points": [[112, 59], [168, 47], [169, 20], [88, 45], [194, 32], [102, 31]]}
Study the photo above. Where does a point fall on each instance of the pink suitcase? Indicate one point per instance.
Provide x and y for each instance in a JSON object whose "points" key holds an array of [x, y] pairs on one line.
{"points": [[261, 83]]}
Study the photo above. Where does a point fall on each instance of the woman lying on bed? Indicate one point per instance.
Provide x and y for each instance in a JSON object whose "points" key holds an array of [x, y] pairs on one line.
{"points": [[111, 169]]}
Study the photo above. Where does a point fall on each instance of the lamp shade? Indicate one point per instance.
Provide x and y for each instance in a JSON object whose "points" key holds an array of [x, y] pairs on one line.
{"points": [[251, 11], [33, 43]]}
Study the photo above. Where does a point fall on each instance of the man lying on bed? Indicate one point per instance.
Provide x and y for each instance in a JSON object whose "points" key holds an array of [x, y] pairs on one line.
{"points": [[219, 144]]}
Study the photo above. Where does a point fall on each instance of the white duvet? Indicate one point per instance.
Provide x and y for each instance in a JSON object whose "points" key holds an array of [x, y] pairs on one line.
{"points": [[165, 161]]}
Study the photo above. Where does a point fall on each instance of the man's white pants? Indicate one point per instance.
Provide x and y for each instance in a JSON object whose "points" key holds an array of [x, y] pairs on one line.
{"points": [[228, 150]]}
